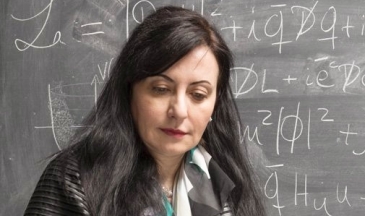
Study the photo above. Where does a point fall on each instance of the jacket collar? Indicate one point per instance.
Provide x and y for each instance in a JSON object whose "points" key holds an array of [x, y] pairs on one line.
{"points": [[211, 186]]}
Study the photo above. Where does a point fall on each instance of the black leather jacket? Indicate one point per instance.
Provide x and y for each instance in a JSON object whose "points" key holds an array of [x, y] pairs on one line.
{"points": [[57, 195]]}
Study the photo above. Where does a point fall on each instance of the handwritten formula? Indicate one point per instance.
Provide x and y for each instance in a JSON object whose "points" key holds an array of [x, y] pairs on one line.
{"points": [[298, 80]]}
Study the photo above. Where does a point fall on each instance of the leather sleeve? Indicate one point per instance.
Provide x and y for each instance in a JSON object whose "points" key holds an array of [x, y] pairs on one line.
{"points": [[57, 193]]}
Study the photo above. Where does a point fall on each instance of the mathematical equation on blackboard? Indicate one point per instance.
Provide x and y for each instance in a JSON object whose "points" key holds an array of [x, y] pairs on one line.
{"points": [[303, 143], [294, 128], [298, 80], [304, 18], [335, 78]]}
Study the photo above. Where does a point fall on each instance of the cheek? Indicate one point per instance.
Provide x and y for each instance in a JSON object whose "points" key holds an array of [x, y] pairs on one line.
{"points": [[142, 120], [146, 114], [202, 118]]}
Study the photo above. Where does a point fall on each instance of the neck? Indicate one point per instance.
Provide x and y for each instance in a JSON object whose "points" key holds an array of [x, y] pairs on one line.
{"points": [[167, 169]]}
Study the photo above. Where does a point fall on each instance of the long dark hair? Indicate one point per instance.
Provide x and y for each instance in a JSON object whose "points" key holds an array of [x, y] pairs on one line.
{"points": [[118, 174]]}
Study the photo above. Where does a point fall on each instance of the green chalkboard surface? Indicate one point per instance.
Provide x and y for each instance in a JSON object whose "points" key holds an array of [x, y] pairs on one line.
{"points": [[298, 80]]}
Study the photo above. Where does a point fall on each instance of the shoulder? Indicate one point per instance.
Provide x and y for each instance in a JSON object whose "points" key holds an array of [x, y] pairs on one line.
{"points": [[59, 190]]}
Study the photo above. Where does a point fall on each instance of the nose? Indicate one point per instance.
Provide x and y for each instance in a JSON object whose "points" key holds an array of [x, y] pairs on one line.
{"points": [[178, 107]]}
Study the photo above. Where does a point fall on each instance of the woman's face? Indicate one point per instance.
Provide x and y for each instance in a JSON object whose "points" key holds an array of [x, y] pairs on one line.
{"points": [[171, 110]]}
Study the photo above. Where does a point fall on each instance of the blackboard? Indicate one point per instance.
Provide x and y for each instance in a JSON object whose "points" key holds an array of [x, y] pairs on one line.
{"points": [[298, 80]]}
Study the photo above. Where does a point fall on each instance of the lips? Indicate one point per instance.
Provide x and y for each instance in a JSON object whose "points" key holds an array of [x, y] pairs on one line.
{"points": [[173, 132]]}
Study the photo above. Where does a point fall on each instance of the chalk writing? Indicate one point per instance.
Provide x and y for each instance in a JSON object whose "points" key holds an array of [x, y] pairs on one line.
{"points": [[280, 30], [345, 198], [276, 191], [62, 123], [347, 133], [349, 78], [142, 11], [215, 13], [234, 28], [272, 192], [292, 126], [298, 76], [307, 14], [93, 32], [95, 82], [273, 26], [61, 120], [305, 193], [323, 206], [325, 115], [104, 73], [22, 45]]}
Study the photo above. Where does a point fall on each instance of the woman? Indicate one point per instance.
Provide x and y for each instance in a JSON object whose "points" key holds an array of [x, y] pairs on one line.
{"points": [[163, 139]]}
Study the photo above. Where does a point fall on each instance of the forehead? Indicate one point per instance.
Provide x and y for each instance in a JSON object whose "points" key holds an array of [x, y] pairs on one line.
{"points": [[200, 63]]}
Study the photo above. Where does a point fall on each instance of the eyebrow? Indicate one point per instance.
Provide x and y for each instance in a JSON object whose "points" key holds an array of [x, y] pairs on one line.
{"points": [[193, 83]]}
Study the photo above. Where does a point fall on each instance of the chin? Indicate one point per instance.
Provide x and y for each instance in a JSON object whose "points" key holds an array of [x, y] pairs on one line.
{"points": [[175, 150]]}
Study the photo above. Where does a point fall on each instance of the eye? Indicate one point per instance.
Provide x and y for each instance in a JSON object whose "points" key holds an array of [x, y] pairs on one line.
{"points": [[160, 90], [198, 96]]}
